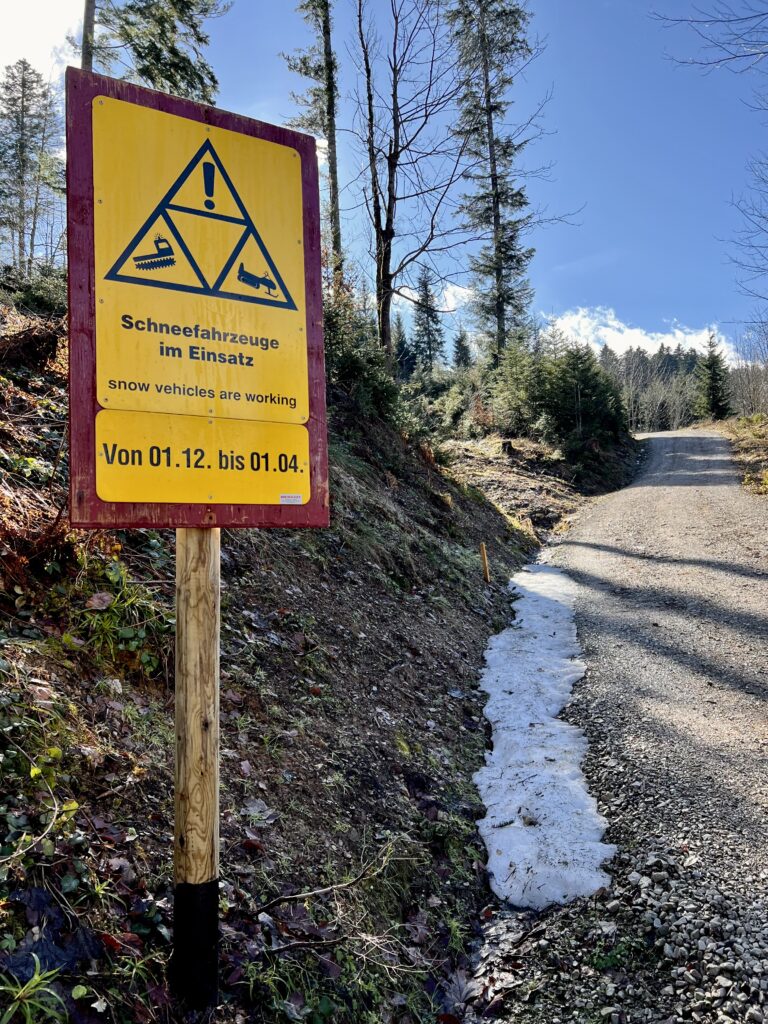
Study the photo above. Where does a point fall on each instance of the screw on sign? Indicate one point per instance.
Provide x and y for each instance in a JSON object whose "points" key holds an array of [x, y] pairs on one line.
{"points": [[197, 390]]}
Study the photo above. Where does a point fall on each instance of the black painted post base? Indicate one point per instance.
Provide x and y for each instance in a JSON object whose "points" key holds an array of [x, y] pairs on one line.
{"points": [[193, 970]]}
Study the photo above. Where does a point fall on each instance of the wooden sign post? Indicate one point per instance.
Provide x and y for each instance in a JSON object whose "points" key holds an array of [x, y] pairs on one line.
{"points": [[197, 388], [196, 841]]}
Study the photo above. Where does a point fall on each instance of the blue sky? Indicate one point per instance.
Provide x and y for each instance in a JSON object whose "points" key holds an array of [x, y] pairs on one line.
{"points": [[650, 152]]}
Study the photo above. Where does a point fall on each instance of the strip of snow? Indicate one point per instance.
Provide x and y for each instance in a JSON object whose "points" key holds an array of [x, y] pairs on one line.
{"points": [[542, 830]]}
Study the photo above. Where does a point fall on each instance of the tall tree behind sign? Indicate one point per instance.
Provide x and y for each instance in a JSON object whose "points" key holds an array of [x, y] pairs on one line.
{"points": [[492, 45], [159, 44], [318, 64]]}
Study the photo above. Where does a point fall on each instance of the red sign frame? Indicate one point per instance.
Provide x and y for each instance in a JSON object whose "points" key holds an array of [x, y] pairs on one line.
{"points": [[86, 508]]}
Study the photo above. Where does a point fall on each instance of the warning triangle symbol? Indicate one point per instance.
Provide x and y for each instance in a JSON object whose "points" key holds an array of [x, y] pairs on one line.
{"points": [[200, 238]]}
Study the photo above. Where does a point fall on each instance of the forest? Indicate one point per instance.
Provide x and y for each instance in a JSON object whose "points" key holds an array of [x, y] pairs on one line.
{"points": [[466, 431]]}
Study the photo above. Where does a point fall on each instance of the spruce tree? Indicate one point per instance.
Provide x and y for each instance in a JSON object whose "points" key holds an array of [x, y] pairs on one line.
{"points": [[610, 362], [462, 353], [428, 339], [580, 400], [161, 44], [491, 42], [30, 135], [318, 64], [713, 400], [405, 357]]}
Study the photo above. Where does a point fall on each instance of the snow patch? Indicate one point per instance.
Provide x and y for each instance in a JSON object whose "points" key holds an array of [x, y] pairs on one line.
{"points": [[542, 830]]}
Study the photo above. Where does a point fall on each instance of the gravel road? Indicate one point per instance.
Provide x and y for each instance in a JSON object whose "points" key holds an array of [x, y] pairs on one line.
{"points": [[673, 617], [672, 613]]}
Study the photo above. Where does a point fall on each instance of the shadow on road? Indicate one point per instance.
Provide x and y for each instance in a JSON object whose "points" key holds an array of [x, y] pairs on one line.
{"points": [[651, 637], [732, 568]]}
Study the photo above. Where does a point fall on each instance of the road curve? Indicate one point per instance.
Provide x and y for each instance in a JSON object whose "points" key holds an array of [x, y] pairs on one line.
{"points": [[673, 617]]}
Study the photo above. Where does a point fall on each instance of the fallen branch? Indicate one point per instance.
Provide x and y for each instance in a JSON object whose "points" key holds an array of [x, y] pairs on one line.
{"points": [[369, 871]]}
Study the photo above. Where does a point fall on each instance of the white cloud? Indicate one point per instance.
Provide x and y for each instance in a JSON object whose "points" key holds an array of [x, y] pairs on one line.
{"points": [[405, 298], [600, 325], [455, 296], [38, 30]]}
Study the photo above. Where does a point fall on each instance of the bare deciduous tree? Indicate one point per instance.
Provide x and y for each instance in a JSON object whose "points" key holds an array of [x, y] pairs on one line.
{"points": [[405, 110], [732, 34]]}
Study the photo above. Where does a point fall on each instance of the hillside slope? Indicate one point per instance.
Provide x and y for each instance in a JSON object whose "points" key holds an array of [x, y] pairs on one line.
{"points": [[351, 726]]}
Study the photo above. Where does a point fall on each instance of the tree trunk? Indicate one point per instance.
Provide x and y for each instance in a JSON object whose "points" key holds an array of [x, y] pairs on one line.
{"points": [[383, 264], [385, 317], [329, 63], [89, 20], [21, 201], [498, 259], [38, 182]]}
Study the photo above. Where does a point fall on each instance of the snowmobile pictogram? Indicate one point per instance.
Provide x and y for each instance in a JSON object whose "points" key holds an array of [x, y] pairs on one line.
{"points": [[256, 282], [163, 256]]}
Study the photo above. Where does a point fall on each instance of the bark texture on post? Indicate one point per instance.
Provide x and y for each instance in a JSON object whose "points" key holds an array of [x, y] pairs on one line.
{"points": [[89, 28], [194, 962]]}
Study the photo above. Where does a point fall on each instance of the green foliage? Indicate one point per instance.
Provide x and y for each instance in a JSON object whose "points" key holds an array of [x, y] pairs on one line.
{"points": [[310, 64], [658, 389], [357, 368], [490, 36], [34, 1001], [405, 357], [163, 44], [34, 741], [120, 621], [512, 390], [578, 402], [462, 353], [427, 341], [713, 398], [43, 291], [31, 176]]}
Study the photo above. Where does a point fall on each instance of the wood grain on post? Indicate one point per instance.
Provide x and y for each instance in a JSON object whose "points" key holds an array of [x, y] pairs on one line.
{"points": [[196, 848], [196, 838]]}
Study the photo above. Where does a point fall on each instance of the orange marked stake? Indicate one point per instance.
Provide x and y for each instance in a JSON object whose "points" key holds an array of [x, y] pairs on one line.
{"points": [[484, 559]]}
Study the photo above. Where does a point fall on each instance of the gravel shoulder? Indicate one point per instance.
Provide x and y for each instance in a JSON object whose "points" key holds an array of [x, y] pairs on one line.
{"points": [[672, 614]]}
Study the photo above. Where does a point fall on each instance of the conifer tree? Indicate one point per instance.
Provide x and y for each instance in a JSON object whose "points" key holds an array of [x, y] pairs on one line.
{"points": [[30, 135], [580, 399], [405, 358], [318, 64], [462, 353], [428, 339], [713, 400], [491, 42], [610, 362], [160, 44]]}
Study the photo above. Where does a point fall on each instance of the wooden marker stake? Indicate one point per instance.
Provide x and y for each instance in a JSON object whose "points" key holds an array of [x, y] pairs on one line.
{"points": [[484, 558], [194, 962]]}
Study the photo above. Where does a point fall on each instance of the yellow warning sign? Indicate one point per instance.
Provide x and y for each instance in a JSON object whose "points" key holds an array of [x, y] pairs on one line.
{"points": [[199, 269], [154, 457]]}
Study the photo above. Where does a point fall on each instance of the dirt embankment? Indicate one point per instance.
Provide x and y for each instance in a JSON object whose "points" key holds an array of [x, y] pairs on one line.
{"points": [[532, 483], [351, 726], [749, 437]]}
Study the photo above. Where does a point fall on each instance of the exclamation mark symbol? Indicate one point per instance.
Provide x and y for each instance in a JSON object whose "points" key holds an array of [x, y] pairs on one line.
{"points": [[209, 170]]}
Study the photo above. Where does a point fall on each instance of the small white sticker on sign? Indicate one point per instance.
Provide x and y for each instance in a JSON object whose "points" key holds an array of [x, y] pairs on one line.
{"points": [[291, 499]]}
